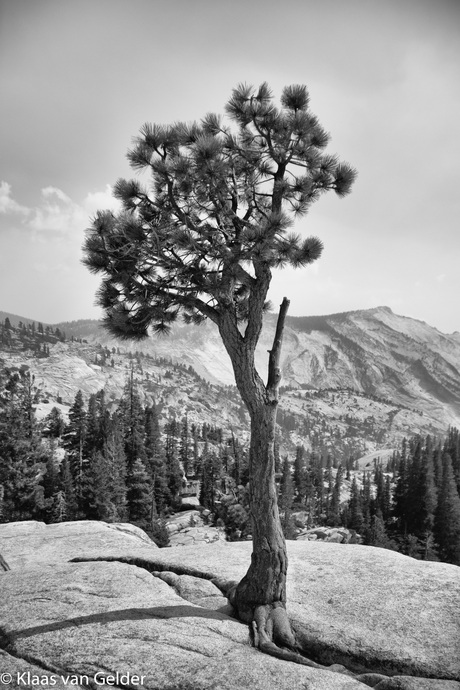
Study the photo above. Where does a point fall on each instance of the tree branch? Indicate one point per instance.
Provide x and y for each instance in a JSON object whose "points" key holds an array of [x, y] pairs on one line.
{"points": [[274, 371]]}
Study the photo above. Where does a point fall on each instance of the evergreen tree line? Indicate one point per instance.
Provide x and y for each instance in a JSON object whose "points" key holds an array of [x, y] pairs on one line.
{"points": [[413, 506], [116, 465], [108, 465], [30, 337]]}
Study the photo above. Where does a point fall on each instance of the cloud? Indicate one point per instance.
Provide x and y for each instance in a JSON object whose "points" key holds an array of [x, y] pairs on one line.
{"points": [[48, 192], [7, 204], [95, 201], [56, 211]]}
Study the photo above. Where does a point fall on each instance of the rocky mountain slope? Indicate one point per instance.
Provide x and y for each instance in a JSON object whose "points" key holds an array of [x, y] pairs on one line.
{"points": [[374, 352], [362, 380]]}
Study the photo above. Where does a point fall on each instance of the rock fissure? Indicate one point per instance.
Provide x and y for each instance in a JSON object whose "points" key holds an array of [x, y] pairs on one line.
{"points": [[151, 565], [261, 630]]}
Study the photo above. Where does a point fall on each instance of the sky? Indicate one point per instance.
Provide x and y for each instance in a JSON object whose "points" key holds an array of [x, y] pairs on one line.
{"points": [[78, 78]]}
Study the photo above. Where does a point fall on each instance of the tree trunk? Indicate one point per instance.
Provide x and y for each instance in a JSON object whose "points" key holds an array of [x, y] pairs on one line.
{"points": [[260, 597], [265, 581]]}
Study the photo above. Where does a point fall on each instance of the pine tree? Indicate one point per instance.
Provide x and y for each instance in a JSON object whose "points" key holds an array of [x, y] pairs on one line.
{"points": [[300, 479], [139, 495], [54, 424], [428, 500], [366, 500], [376, 534], [184, 447], [204, 241], [174, 475], [355, 515], [74, 441], [68, 502], [51, 485], [286, 497], [155, 460], [116, 466], [452, 446], [447, 525], [414, 487], [400, 492], [386, 506], [23, 456], [208, 478], [131, 413], [333, 517]]}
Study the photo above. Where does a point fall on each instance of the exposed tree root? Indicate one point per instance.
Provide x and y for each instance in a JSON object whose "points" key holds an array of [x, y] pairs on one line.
{"points": [[272, 632]]}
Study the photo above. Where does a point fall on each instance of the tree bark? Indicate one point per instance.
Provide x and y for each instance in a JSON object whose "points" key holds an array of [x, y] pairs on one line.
{"points": [[265, 581], [260, 597]]}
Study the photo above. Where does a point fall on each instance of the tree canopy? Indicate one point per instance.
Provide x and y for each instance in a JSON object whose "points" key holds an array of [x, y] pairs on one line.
{"points": [[203, 237]]}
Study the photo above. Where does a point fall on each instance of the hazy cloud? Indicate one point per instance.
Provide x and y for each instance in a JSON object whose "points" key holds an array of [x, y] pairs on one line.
{"points": [[8, 204], [57, 212]]}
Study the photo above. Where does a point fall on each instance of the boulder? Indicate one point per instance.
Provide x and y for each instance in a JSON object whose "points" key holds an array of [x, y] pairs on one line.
{"points": [[330, 534], [184, 519], [114, 621], [196, 535], [196, 590], [34, 543]]}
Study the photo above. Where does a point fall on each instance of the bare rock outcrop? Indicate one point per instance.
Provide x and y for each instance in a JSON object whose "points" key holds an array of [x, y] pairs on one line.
{"points": [[127, 607], [363, 606], [97, 620], [32, 543]]}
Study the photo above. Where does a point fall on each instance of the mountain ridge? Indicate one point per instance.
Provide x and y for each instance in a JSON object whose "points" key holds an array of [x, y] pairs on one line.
{"points": [[373, 353]]}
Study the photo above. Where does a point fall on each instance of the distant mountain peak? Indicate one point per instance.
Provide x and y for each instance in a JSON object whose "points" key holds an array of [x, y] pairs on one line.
{"points": [[381, 308]]}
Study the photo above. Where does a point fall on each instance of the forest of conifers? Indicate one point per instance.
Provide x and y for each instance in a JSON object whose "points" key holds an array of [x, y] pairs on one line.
{"points": [[117, 464]]}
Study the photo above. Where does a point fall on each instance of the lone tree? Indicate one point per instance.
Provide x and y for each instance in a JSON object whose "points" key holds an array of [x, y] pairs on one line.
{"points": [[202, 240]]}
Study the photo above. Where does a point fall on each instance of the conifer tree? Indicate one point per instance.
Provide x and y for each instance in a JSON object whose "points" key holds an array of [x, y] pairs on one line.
{"points": [[23, 456], [68, 509], [54, 423], [139, 495], [452, 446], [173, 469], [286, 497], [428, 499], [366, 499], [355, 514], [400, 492], [155, 461], [51, 485], [334, 506], [184, 447], [300, 474], [204, 240], [376, 534], [131, 414], [447, 524], [74, 441]]}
